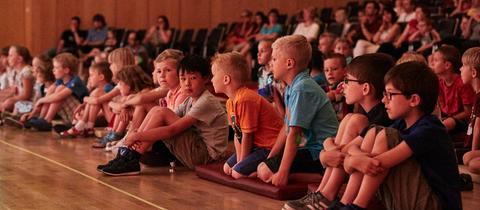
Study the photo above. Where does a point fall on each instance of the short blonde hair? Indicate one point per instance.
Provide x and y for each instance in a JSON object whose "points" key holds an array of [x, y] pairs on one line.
{"points": [[411, 56], [471, 57], [176, 55], [232, 63], [123, 56], [67, 60], [296, 47]]}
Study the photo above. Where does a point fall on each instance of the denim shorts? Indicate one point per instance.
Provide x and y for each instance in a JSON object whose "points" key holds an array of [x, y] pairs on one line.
{"points": [[250, 163]]}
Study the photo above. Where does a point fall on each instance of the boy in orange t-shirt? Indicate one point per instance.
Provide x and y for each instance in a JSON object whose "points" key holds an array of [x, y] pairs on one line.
{"points": [[252, 117]]}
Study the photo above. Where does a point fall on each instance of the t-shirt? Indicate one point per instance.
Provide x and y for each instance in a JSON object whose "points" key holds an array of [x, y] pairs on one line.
{"points": [[69, 39], [95, 35], [307, 106], [107, 87], [310, 32], [433, 150], [377, 116], [25, 73], [452, 98], [406, 17], [473, 117], [212, 124], [277, 28], [79, 90], [174, 98], [3, 81], [248, 112], [322, 81]]}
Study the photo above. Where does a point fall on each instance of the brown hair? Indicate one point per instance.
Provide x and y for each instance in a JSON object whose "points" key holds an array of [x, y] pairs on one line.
{"points": [[135, 77], [24, 53], [452, 55], [45, 68], [338, 56], [123, 56], [232, 63], [103, 69], [471, 57], [67, 60], [415, 78], [371, 68]]}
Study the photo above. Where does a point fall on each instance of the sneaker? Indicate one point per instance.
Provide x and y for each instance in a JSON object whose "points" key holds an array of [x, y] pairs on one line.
{"points": [[336, 205], [311, 201], [100, 167], [108, 138], [11, 121], [126, 163], [59, 128], [28, 123], [466, 183], [41, 124], [351, 207]]}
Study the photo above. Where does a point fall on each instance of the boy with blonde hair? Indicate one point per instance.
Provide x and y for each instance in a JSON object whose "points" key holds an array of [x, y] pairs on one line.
{"points": [[470, 76], [251, 116], [69, 93], [309, 116]]}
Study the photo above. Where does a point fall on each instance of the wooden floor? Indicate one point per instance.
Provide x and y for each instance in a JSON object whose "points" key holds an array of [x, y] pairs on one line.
{"points": [[39, 171]]}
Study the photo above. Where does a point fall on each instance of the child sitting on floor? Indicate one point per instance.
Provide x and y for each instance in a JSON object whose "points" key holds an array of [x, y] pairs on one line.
{"points": [[470, 75], [412, 164], [252, 117], [99, 79], [309, 116], [363, 86], [195, 134], [68, 93]]}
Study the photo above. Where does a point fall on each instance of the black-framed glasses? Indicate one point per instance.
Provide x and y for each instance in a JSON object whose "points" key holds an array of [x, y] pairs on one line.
{"points": [[389, 95], [346, 81]]}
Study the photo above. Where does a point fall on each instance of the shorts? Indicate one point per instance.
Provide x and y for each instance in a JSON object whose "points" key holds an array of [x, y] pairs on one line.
{"points": [[248, 165], [68, 107], [405, 187], [303, 162], [189, 148], [23, 107], [461, 126]]}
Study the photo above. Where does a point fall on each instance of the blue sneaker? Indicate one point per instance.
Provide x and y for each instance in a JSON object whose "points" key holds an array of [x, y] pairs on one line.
{"points": [[40, 124], [112, 136]]}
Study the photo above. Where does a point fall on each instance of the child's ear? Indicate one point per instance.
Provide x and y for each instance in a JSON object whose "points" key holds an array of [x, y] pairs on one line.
{"points": [[415, 100], [290, 63], [474, 72], [366, 88], [448, 65], [102, 77], [227, 79]]}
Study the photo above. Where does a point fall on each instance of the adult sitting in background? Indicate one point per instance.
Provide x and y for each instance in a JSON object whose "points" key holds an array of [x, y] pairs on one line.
{"points": [[325, 43], [140, 52], [71, 38], [369, 22], [408, 12], [97, 35], [271, 30], [421, 14], [342, 18], [237, 38], [388, 32], [159, 35], [308, 28], [462, 7], [470, 27]]}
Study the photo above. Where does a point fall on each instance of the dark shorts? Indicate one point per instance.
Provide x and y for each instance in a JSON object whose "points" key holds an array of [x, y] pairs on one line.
{"points": [[461, 126], [303, 162], [250, 163]]}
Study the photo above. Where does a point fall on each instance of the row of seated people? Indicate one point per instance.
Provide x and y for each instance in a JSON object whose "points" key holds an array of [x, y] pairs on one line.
{"points": [[397, 136]]}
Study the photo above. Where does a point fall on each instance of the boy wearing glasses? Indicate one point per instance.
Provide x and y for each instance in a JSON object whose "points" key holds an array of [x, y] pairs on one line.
{"points": [[251, 116], [412, 164], [363, 85]]}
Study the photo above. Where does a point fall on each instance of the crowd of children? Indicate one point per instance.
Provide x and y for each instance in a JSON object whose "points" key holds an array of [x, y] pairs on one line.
{"points": [[383, 128]]}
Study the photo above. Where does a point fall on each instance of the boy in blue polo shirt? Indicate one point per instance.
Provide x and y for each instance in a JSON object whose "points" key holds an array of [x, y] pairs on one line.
{"points": [[309, 115]]}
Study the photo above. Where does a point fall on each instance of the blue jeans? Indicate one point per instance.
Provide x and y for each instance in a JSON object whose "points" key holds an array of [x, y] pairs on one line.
{"points": [[250, 163]]}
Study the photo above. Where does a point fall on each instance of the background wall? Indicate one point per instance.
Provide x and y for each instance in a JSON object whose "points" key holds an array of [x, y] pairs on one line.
{"points": [[37, 24]]}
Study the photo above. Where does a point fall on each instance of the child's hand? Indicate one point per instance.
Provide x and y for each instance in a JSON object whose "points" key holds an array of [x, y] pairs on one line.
{"points": [[332, 158], [131, 137], [280, 179], [367, 165]]}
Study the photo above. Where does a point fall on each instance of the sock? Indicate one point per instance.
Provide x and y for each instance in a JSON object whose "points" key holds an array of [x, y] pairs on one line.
{"points": [[90, 125], [80, 126]]}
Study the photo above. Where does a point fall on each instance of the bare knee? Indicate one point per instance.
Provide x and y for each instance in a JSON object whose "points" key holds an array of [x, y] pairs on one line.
{"points": [[263, 172], [357, 122], [226, 169]]}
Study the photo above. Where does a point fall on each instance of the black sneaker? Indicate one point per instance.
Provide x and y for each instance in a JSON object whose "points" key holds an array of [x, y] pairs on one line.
{"points": [[311, 201], [127, 163], [352, 207], [119, 156], [336, 205], [41, 124]]}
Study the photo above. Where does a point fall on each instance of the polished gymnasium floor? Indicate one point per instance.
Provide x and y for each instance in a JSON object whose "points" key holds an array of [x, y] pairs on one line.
{"points": [[39, 171]]}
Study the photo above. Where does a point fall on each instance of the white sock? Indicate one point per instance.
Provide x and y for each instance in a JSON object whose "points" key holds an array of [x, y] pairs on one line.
{"points": [[80, 126]]}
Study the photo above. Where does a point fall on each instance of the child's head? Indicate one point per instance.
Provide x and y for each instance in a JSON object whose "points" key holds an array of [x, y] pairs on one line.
{"points": [[18, 55], [64, 64], [229, 69], [42, 68], [421, 13], [446, 59], [132, 79], [334, 68], [325, 42], [99, 73], [411, 56], [341, 15], [290, 55], [119, 58], [471, 65], [410, 86], [365, 77], [166, 65], [425, 26], [194, 74], [264, 52], [343, 46]]}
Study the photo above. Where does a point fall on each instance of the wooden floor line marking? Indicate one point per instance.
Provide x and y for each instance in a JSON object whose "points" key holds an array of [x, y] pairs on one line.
{"points": [[83, 174]]}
